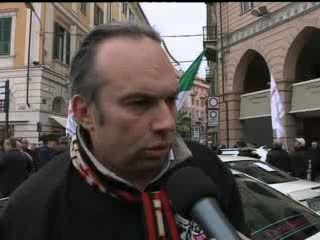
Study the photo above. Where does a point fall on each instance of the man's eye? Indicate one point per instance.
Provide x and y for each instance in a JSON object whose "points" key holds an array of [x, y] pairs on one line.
{"points": [[173, 99], [140, 102]]}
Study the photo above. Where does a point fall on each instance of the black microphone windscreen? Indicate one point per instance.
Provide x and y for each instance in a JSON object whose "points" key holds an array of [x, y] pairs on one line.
{"points": [[188, 185]]}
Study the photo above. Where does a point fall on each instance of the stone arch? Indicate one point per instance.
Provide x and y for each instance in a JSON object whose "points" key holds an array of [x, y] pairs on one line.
{"points": [[239, 60], [296, 49], [253, 60], [59, 105]]}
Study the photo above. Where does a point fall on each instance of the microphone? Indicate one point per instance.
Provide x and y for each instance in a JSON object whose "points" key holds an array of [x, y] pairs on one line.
{"points": [[193, 194]]}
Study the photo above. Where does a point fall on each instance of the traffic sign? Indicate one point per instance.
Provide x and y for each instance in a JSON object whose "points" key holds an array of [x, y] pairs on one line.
{"points": [[213, 102], [213, 118]]}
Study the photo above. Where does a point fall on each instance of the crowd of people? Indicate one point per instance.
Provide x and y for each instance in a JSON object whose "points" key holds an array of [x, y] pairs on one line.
{"points": [[302, 162], [19, 159]]}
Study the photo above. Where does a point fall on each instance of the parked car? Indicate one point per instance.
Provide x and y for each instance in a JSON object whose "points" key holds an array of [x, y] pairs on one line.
{"points": [[271, 215], [306, 192]]}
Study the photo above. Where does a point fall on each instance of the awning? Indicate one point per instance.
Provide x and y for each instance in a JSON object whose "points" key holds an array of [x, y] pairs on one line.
{"points": [[61, 120]]}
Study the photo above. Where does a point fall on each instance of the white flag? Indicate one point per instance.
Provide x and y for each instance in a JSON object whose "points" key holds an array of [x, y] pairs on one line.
{"points": [[71, 122], [277, 109]]}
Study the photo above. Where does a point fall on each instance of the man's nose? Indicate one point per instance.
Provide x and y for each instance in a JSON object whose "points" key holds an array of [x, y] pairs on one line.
{"points": [[165, 118]]}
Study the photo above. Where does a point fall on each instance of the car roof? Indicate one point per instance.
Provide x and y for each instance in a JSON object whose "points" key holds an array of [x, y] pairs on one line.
{"points": [[229, 158]]}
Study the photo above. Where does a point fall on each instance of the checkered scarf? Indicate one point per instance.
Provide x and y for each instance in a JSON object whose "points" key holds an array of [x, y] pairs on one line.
{"points": [[159, 218]]}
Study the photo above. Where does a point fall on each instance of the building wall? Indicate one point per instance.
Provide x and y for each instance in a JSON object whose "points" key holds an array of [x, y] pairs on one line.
{"points": [[198, 102], [272, 36], [49, 79], [234, 19]]}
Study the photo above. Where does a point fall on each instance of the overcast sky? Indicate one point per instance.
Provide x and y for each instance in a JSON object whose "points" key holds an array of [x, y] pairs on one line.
{"points": [[179, 19]]}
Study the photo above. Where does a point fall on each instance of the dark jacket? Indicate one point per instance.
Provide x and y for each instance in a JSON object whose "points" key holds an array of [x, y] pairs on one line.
{"points": [[63, 206], [43, 155], [315, 160], [299, 163], [279, 158], [14, 169]]}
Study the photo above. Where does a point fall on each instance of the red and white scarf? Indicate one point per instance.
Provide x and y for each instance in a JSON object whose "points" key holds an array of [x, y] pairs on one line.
{"points": [[161, 223], [156, 204]]}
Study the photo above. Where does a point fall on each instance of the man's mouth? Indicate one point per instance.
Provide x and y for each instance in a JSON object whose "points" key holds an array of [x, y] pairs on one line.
{"points": [[159, 147], [158, 150]]}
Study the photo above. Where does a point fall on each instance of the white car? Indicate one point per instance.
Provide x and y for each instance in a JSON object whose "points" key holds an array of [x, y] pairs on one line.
{"points": [[306, 192]]}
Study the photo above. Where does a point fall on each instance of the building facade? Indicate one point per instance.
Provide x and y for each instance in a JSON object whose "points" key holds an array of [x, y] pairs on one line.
{"points": [[263, 40], [196, 106], [38, 104]]}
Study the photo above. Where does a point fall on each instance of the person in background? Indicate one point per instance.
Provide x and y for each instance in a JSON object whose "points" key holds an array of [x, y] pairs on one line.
{"points": [[279, 157], [1, 148], [47, 151], [63, 144], [299, 159], [26, 146], [14, 167], [244, 150], [315, 160], [25, 149], [124, 92]]}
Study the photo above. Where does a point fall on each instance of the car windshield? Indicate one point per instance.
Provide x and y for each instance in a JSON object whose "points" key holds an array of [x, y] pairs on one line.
{"points": [[261, 171], [271, 215]]}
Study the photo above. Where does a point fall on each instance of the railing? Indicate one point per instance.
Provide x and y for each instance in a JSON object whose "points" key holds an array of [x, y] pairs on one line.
{"points": [[209, 33], [209, 75], [210, 42]]}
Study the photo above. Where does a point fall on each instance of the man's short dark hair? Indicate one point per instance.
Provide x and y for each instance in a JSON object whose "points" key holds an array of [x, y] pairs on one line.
{"points": [[83, 75], [48, 137]]}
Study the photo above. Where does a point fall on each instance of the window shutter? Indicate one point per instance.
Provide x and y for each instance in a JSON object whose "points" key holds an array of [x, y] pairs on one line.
{"points": [[68, 49], [5, 35]]}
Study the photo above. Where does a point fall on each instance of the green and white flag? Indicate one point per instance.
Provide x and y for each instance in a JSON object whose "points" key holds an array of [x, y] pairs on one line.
{"points": [[186, 81]]}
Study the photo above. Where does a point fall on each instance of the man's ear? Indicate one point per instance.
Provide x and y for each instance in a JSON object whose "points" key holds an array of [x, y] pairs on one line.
{"points": [[83, 112]]}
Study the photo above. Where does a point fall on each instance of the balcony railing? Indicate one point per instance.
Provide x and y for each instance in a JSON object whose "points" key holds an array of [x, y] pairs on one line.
{"points": [[209, 33], [210, 42], [209, 75]]}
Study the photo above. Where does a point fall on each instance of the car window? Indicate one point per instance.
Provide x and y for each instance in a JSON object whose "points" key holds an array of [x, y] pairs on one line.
{"points": [[271, 215], [261, 171]]}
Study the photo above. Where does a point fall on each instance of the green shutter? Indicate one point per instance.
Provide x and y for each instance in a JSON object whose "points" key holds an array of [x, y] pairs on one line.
{"points": [[55, 42], [68, 49], [5, 35]]}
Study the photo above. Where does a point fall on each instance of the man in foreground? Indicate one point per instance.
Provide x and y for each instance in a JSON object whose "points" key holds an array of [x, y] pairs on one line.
{"points": [[124, 90]]}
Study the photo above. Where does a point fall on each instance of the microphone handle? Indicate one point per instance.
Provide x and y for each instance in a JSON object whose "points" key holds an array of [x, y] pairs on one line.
{"points": [[207, 213]]}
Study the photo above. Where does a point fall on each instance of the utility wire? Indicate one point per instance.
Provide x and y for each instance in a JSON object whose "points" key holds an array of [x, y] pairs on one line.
{"points": [[164, 36], [164, 44], [203, 60], [187, 35]]}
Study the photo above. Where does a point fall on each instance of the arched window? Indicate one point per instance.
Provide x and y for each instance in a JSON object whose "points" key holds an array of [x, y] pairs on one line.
{"points": [[59, 105]]}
